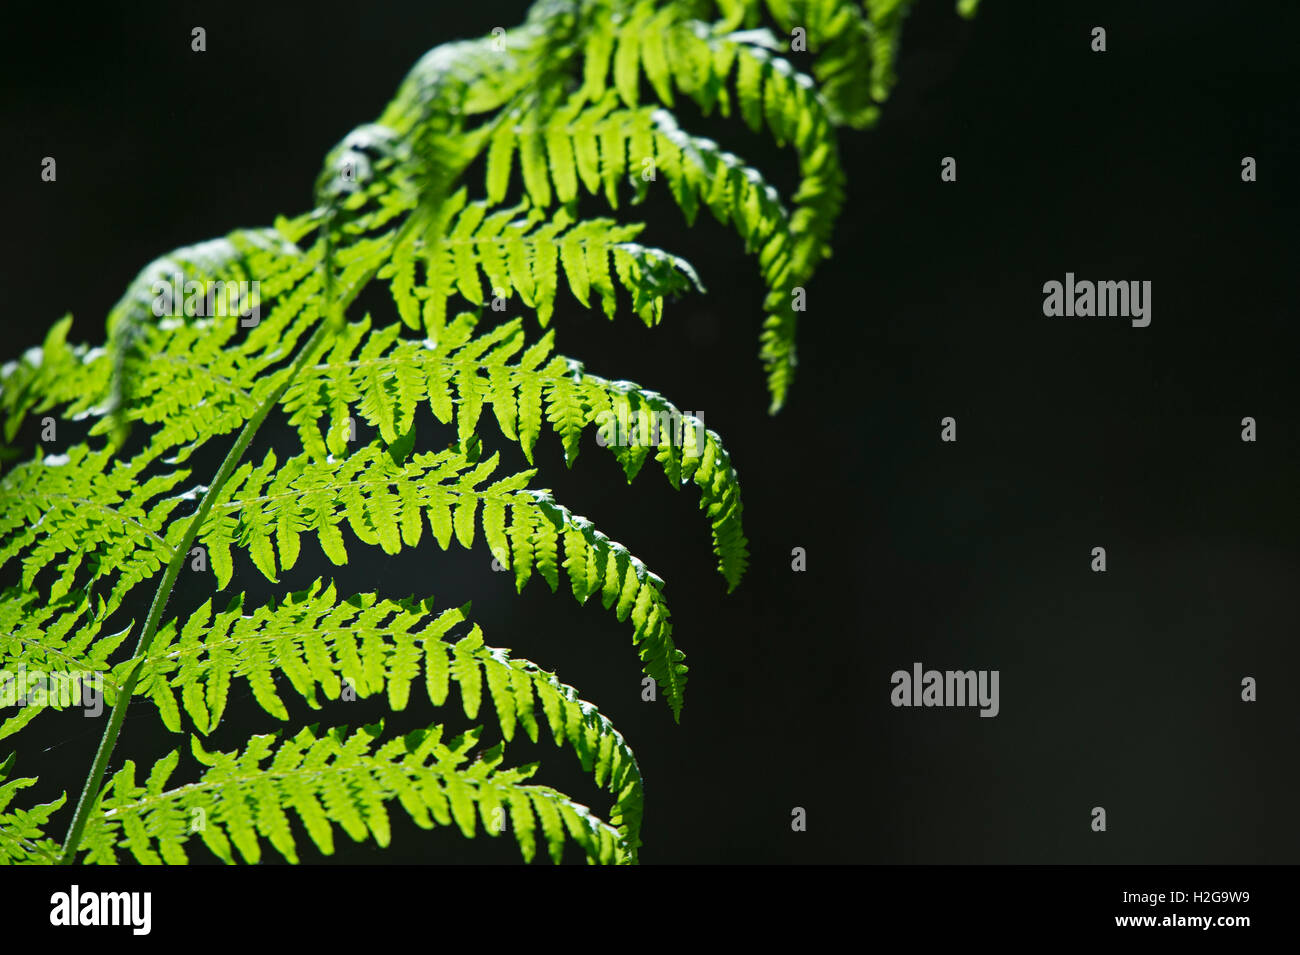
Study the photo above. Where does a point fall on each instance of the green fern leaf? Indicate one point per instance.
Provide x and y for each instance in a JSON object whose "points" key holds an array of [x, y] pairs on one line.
{"points": [[334, 779], [22, 836]]}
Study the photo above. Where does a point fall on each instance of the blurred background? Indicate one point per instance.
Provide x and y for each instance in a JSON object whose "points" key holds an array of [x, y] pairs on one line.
{"points": [[1119, 690]]}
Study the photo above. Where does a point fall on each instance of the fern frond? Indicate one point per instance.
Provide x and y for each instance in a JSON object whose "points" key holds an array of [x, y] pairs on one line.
{"points": [[591, 146], [524, 250], [55, 374], [710, 64], [684, 457], [554, 159], [22, 836], [852, 51], [461, 375], [60, 641], [885, 26], [99, 514], [179, 284], [334, 779], [377, 646], [385, 503]]}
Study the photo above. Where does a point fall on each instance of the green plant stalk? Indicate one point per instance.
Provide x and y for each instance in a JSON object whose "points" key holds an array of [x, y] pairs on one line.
{"points": [[332, 323], [90, 791], [333, 319]]}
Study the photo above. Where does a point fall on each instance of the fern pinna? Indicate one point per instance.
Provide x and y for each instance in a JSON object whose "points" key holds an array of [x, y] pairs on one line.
{"points": [[463, 196]]}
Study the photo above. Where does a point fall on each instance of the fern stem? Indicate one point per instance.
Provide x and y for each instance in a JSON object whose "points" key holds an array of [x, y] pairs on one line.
{"points": [[90, 791], [332, 319]]}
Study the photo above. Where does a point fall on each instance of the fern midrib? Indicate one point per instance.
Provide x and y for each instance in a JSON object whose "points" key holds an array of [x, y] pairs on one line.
{"points": [[508, 497], [257, 777], [413, 773], [205, 369], [261, 636], [480, 364], [90, 792]]}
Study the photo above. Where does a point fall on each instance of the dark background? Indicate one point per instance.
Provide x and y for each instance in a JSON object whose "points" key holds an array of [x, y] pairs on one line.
{"points": [[1119, 690]]}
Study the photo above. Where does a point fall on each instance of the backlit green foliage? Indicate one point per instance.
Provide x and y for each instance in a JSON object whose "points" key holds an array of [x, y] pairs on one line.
{"points": [[474, 188]]}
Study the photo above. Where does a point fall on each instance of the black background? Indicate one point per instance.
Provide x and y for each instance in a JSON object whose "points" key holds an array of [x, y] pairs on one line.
{"points": [[1119, 690]]}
